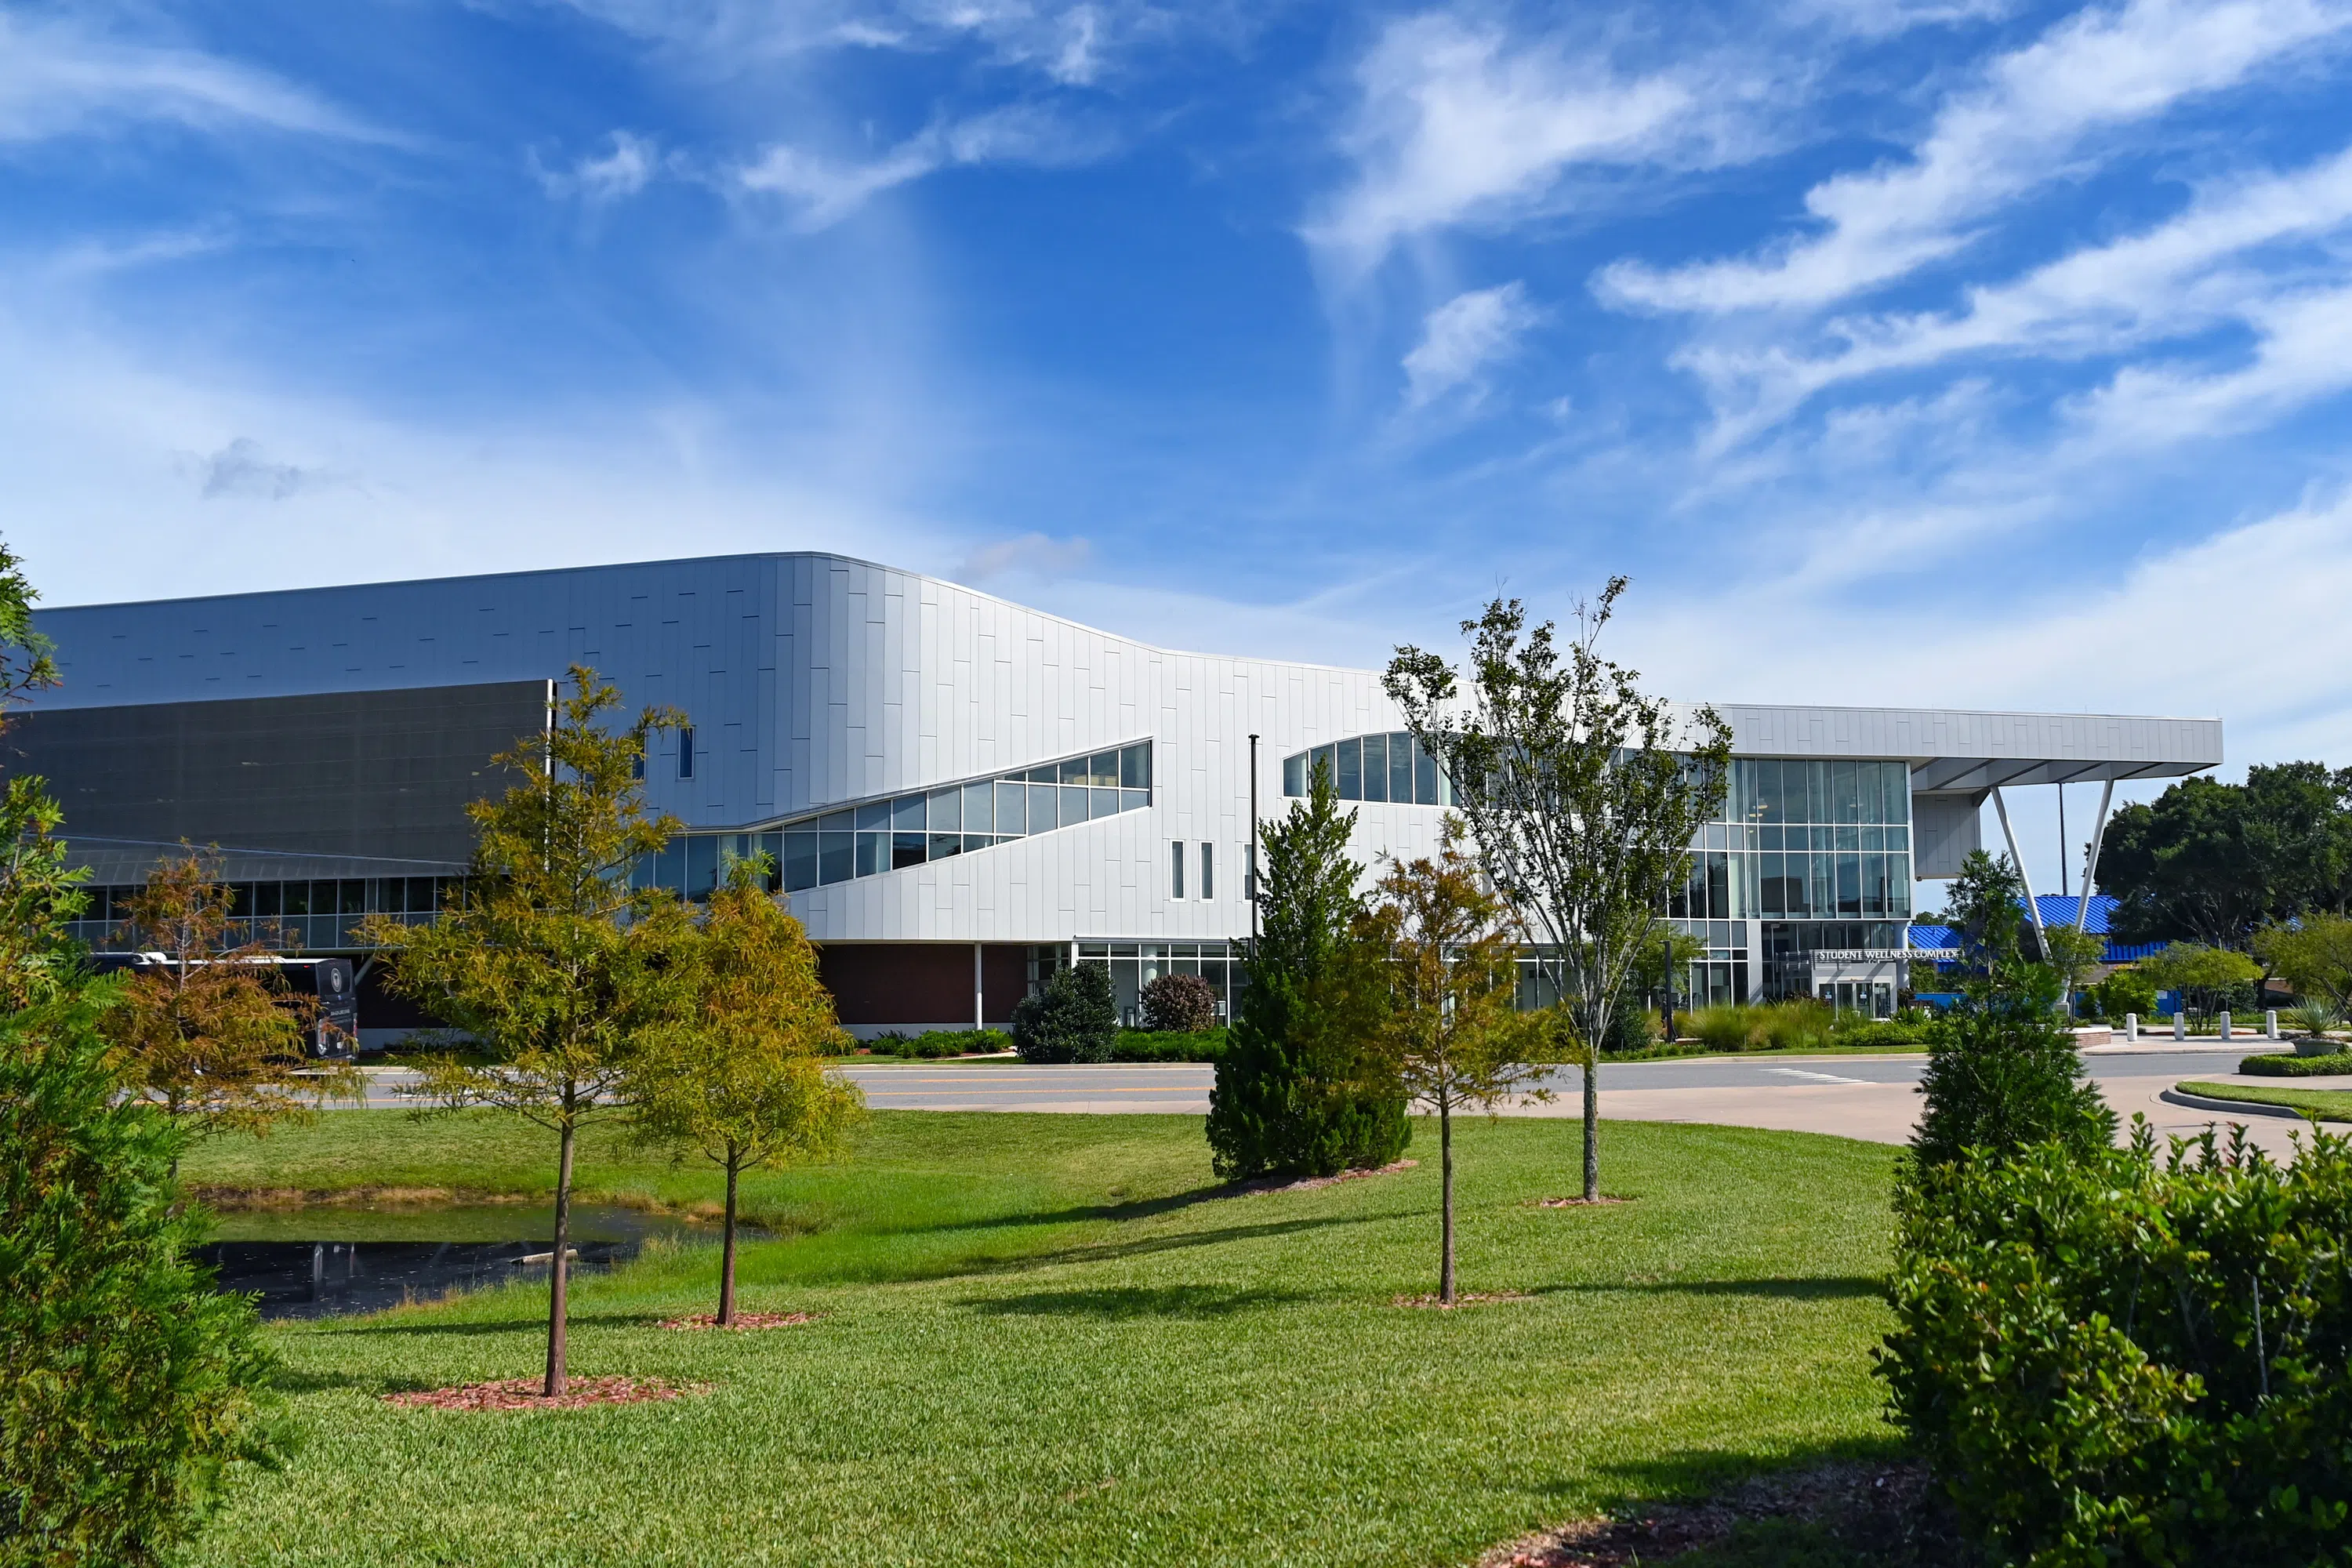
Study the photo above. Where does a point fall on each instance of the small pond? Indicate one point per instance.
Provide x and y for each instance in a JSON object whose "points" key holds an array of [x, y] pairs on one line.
{"points": [[324, 1262]]}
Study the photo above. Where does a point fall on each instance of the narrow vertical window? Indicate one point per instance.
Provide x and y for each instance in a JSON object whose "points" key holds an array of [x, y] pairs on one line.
{"points": [[1208, 871], [638, 763], [685, 751], [1176, 870]]}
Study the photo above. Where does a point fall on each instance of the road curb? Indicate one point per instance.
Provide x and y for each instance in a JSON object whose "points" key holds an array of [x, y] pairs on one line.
{"points": [[2229, 1107]]}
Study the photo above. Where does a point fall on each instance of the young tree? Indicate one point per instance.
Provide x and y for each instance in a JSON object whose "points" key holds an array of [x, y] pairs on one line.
{"points": [[1661, 969], [1582, 794], [1451, 1026], [1986, 905], [545, 955], [2198, 973], [2314, 955], [739, 1078], [1302, 1089], [211, 1034], [2073, 954]]}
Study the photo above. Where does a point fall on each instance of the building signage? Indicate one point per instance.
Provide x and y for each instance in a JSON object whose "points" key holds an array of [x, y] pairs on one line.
{"points": [[1879, 954]]}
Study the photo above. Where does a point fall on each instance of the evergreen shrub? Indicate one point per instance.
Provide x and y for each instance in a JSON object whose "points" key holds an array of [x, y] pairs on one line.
{"points": [[2003, 1074], [128, 1389], [2107, 1357], [1074, 1019]]}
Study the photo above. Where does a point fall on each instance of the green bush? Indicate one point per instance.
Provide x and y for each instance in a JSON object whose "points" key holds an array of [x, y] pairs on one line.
{"points": [[1633, 1028], [933, 1044], [1073, 1019], [1909, 1028], [128, 1389], [1169, 1046], [2108, 1358], [1800, 1024], [2005, 1074], [2297, 1066], [1179, 1004], [2124, 992]]}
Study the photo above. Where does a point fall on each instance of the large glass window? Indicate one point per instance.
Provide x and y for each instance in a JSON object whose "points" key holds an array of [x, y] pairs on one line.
{"points": [[1390, 767], [907, 830]]}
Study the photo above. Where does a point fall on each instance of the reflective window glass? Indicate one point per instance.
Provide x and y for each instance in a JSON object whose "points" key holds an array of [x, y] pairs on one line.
{"points": [[1375, 764], [1044, 812], [1176, 870], [800, 861], [1351, 775], [1102, 770], [1401, 767], [1847, 837], [1424, 776], [1874, 886], [946, 810], [874, 816], [1294, 775], [1012, 807], [1771, 801], [972, 841], [293, 897], [1898, 838], [1208, 871], [1849, 886], [1135, 766], [1073, 771], [978, 809], [1894, 789], [946, 844], [421, 895], [836, 822], [1134, 799], [264, 900], [873, 854], [906, 813], [908, 849], [836, 855], [1103, 802], [1074, 805], [1046, 774], [1898, 888]]}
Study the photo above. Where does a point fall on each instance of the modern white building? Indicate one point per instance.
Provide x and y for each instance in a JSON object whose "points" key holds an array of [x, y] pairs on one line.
{"points": [[959, 792]]}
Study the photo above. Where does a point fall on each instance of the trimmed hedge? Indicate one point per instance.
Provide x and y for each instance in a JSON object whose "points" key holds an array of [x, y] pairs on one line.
{"points": [[933, 1044], [1168, 1045], [2117, 1358], [2297, 1066]]}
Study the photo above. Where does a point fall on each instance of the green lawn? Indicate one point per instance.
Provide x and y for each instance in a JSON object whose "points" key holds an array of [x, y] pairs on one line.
{"points": [[1047, 1340], [2316, 1104]]}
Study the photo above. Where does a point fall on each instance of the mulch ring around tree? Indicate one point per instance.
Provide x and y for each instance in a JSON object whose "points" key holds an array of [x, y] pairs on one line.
{"points": [[1265, 1185], [1464, 1298], [523, 1393], [1885, 1511], [693, 1320]]}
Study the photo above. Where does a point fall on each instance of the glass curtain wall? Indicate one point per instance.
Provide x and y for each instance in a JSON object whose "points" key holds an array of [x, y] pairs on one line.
{"points": [[311, 915], [1136, 965], [1390, 767]]}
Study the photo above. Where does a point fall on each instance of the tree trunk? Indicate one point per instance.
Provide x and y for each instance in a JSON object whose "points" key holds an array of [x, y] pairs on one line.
{"points": [[559, 1267], [727, 1249], [1445, 1198], [1592, 1122]]}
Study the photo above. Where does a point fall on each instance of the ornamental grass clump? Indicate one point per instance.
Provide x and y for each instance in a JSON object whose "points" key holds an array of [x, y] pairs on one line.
{"points": [[2106, 1356]]}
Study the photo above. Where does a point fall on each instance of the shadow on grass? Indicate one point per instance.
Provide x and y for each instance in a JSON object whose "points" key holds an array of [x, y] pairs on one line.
{"points": [[285, 1380], [1828, 1287], [1141, 1208], [1146, 1247], [1114, 1303]]}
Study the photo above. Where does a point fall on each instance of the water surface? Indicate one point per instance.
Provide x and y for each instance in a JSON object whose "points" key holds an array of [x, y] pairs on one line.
{"points": [[322, 1262]]}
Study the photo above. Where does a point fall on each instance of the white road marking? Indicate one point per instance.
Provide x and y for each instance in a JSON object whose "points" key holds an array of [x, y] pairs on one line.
{"points": [[1814, 1076]]}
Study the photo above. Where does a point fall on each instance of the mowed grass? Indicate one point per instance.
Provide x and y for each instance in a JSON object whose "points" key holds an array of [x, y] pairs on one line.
{"points": [[1051, 1340], [2316, 1104]]}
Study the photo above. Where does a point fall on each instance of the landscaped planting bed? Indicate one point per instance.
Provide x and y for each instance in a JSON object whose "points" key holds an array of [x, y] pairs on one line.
{"points": [[1055, 1339]]}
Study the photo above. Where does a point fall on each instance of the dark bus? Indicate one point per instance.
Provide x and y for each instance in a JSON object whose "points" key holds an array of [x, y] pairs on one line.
{"points": [[334, 1031]]}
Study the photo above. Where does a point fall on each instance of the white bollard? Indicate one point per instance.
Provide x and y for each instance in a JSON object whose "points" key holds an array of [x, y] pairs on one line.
{"points": [[2179, 1025], [2131, 1025], [2270, 1024], [2225, 1026]]}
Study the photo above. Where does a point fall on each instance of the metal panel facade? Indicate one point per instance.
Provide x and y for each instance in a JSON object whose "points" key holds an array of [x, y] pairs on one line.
{"points": [[813, 679]]}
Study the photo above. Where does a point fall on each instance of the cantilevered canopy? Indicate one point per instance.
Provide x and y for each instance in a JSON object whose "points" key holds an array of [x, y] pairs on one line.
{"points": [[1965, 752]]}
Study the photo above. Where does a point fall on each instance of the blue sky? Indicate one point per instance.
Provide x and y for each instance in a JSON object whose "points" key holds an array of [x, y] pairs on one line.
{"points": [[1957, 351]]}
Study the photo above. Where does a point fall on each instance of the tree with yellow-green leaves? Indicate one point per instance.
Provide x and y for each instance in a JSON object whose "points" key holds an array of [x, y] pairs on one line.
{"points": [[739, 1078], [545, 956], [211, 1034], [1451, 1026]]}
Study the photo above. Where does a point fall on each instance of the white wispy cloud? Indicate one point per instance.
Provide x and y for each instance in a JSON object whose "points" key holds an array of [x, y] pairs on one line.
{"points": [[1035, 556], [602, 179], [2028, 120], [1463, 337], [60, 76], [826, 189], [2232, 253], [1456, 122]]}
